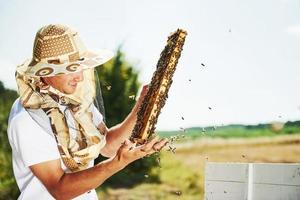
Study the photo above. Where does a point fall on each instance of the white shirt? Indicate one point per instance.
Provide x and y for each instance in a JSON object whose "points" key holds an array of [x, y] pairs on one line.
{"points": [[34, 143]]}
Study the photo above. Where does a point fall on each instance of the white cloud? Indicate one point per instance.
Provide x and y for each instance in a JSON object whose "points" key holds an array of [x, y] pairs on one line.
{"points": [[7, 73], [293, 30]]}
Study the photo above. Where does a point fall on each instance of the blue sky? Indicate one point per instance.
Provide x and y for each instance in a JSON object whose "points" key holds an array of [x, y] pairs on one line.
{"points": [[250, 49]]}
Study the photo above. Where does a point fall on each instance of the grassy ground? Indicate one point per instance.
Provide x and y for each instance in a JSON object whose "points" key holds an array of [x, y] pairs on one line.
{"points": [[234, 131], [182, 173]]}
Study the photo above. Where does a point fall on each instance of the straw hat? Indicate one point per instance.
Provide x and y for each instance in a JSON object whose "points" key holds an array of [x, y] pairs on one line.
{"points": [[59, 50]]}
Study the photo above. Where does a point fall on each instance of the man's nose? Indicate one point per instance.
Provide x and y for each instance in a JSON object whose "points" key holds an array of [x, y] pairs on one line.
{"points": [[78, 76]]}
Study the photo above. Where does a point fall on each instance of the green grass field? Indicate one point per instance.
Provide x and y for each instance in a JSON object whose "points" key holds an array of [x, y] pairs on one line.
{"points": [[182, 173], [177, 181], [235, 131]]}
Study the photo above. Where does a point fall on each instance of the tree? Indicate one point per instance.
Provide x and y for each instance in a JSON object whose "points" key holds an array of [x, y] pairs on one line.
{"points": [[119, 85], [8, 187]]}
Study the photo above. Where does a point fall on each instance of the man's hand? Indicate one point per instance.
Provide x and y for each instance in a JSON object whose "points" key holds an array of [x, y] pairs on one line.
{"points": [[118, 133], [128, 153]]}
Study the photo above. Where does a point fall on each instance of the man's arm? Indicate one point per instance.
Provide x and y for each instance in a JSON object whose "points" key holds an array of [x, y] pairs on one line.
{"points": [[120, 132], [63, 185]]}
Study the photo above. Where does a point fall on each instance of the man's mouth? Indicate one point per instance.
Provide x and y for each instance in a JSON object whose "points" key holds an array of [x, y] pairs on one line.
{"points": [[74, 85]]}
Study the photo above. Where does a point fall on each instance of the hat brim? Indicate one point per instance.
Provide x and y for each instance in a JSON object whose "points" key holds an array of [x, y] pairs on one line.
{"points": [[89, 59]]}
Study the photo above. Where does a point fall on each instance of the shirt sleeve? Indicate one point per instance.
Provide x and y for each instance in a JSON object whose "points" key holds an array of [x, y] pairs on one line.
{"points": [[97, 116], [33, 144]]}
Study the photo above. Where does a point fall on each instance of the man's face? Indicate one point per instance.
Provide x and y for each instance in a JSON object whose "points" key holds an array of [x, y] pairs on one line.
{"points": [[66, 83]]}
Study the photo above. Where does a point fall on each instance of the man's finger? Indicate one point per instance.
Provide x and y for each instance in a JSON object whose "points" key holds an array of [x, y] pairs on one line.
{"points": [[145, 87], [148, 146], [144, 90], [160, 144]]}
